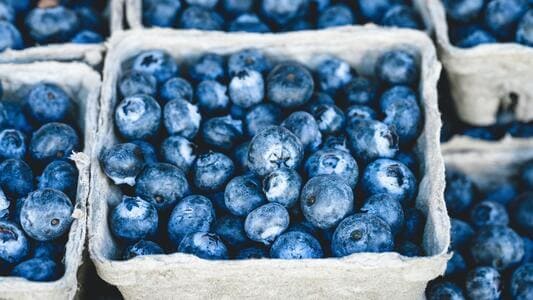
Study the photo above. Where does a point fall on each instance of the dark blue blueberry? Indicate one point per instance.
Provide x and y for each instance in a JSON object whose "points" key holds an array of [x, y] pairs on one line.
{"points": [[50, 249], [319, 98], [370, 139], [304, 126], [200, 18], [415, 221], [497, 246], [194, 213], [333, 74], [487, 133], [248, 59], [236, 7], [12, 144], [296, 245], [522, 216], [122, 162], [409, 249], [46, 214], [521, 287], [10, 37], [361, 233], [289, 85], [283, 12], [461, 233], [148, 151], [252, 253], [138, 117], [444, 290], [463, 10], [134, 219], [360, 90], [180, 117], [87, 37], [391, 177], [248, 23], [15, 118], [265, 223], [60, 175], [222, 132], [335, 162], [282, 186], [157, 63], [502, 16], [483, 283], [373, 10], [208, 66], [14, 245], [273, 148], [211, 171], [503, 193], [176, 88], [460, 192], [260, 117], [360, 111], [524, 33], [388, 208], [325, 200], [243, 194], [528, 250], [409, 159], [231, 230], [47, 103], [336, 15], [178, 151], [160, 13], [330, 118], [16, 178], [37, 269], [402, 16], [397, 67], [211, 96], [335, 142], [526, 174], [204, 245], [400, 106], [247, 88], [135, 82], [474, 36], [89, 18], [142, 248], [53, 141], [241, 156], [162, 184], [456, 265], [488, 213], [55, 24]]}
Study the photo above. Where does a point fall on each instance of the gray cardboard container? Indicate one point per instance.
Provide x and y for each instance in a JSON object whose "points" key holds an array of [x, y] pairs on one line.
{"points": [[365, 275], [486, 78], [83, 85]]}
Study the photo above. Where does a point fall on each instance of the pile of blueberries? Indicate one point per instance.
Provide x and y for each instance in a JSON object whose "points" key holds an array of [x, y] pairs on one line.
{"points": [[492, 239], [476, 22], [36, 211], [277, 15], [25, 23], [258, 159]]}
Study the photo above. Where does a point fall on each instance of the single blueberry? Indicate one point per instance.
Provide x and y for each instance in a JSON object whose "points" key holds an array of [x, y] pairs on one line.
{"points": [[87, 37], [361, 233], [12, 144], [524, 33], [461, 233], [47, 103], [373, 10], [89, 18], [248, 59], [388, 208], [361, 90], [178, 151], [330, 118], [7, 12], [474, 36], [194, 213], [16, 178], [231, 230], [235, 7], [15, 118], [60, 175], [176, 88], [222, 132], [335, 162], [247, 88], [160, 13], [138, 117], [211, 171], [460, 192], [260, 117], [296, 245], [483, 283], [50, 249], [14, 245], [409, 249], [456, 266], [325, 200], [521, 287], [10, 37], [37, 269], [402, 16], [157, 63], [503, 193], [248, 23], [55, 24], [265, 223], [289, 85], [319, 98], [488, 213], [142, 248], [371, 139], [135, 82], [497, 246], [204, 245], [402, 112], [282, 186], [211, 97], [336, 15], [528, 250], [333, 74], [397, 67], [148, 151], [415, 221], [282, 12], [122, 162], [304, 126], [133, 219], [208, 66], [408, 159], [522, 214], [181, 118], [502, 16], [444, 290], [162, 184], [358, 111], [243, 194], [195, 17], [53, 141], [463, 10], [252, 253]]}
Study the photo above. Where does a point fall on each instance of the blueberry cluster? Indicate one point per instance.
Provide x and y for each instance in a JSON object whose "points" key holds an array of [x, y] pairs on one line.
{"points": [[36, 211], [277, 15], [492, 244], [476, 22], [24, 23], [257, 159]]}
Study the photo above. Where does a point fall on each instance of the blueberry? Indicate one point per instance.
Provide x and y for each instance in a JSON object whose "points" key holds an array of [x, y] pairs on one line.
{"points": [[181, 118], [361, 233], [370, 139], [142, 248], [444, 290], [87, 37], [208, 66], [37, 269], [391, 177], [148, 151], [157, 63], [222, 132], [260, 117], [461, 234], [408, 159], [325, 200], [318, 99], [138, 117], [14, 245], [402, 16], [211, 97], [89, 18], [53, 141], [51, 24], [241, 156], [333, 161], [335, 142], [160, 13], [474, 36], [47, 103], [502, 16], [195, 17], [10, 37], [330, 118], [178, 151], [388, 208], [289, 85], [373, 10], [231, 230], [176, 88], [15, 118], [283, 12], [122, 162], [134, 219], [521, 287], [194, 213], [522, 215], [251, 253], [336, 15], [296, 245], [409, 249], [460, 192], [360, 111], [16, 178], [248, 23], [415, 221], [456, 266], [248, 59], [243, 194], [247, 88], [134, 82], [333, 74], [488, 213], [46, 214], [7, 12], [60, 175], [397, 67], [162, 184], [304, 126], [12, 144], [483, 283], [528, 250], [400, 106], [360, 90], [265, 223], [524, 33], [463, 10], [204, 245], [211, 171], [282, 186], [497, 246], [526, 174]]}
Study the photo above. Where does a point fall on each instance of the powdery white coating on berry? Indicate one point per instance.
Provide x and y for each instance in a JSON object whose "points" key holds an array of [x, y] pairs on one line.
{"points": [[247, 88], [15, 246], [277, 188], [134, 211], [4, 204], [383, 145], [390, 182], [132, 115], [187, 152], [327, 118], [266, 223], [123, 180]]}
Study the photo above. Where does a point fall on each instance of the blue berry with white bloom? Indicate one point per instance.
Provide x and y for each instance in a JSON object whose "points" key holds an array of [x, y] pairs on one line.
{"points": [[296, 245], [265, 223], [192, 214]]}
